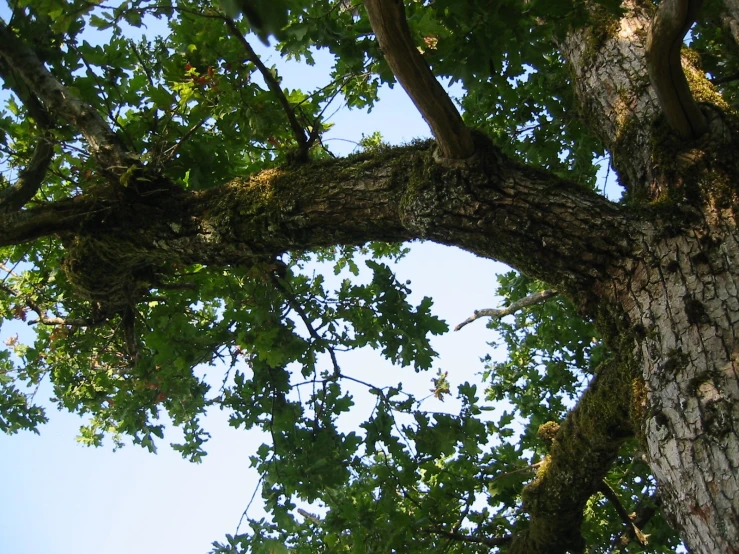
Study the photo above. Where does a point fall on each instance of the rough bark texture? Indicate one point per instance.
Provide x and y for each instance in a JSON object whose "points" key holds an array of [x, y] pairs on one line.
{"points": [[683, 296], [678, 294], [615, 98], [495, 208], [584, 448], [730, 18]]}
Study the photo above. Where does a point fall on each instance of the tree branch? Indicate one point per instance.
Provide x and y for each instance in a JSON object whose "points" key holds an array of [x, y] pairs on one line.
{"points": [[579, 458], [390, 26], [492, 542], [29, 180], [664, 43], [730, 19], [646, 509], [274, 86], [105, 146], [41, 312], [536, 298], [633, 531], [391, 196], [17, 195]]}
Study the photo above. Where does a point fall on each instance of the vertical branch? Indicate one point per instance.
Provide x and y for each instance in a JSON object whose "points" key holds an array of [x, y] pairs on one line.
{"points": [[17, 195], [390, 26], [664, 42]]}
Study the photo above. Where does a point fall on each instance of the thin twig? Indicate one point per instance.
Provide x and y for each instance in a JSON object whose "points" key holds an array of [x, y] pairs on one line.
{"points": [[312, 517], [536, 298], [492, 542], [274, 86], [41, 312], [172, 151], [530, 467], [295, 305]]}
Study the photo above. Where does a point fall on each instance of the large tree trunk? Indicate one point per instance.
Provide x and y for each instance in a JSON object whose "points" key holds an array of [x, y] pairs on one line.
{"points": [[679, 291], [682, 302]]}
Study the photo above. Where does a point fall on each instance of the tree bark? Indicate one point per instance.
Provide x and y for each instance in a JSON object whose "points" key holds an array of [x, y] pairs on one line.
{"points": [[681, 296], [678, 294], [496, 208]]}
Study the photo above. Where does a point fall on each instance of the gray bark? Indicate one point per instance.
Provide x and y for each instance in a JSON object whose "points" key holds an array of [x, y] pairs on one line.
{"points": [[679, 292]]}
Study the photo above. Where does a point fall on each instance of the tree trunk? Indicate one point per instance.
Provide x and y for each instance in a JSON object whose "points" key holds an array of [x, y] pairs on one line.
{"points": [[681, 297], [678, 294]]}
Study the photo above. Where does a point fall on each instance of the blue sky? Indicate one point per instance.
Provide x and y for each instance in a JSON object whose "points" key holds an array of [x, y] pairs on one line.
{"points": [[59, 497]]}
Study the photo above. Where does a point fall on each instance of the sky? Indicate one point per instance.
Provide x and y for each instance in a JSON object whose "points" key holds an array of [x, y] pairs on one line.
{"points": [[58, 497]]}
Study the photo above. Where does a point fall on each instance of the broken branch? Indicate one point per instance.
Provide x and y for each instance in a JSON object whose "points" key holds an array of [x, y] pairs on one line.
{"points": [[633, 531], [536, 298]]}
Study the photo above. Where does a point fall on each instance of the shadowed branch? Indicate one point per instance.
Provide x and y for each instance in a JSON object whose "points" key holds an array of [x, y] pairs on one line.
{"points": [[664, 43], [390, 26], [104, 144], [17, 195]]}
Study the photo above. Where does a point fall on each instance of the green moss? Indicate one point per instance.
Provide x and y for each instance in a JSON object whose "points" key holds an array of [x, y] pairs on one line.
{"points": [[547, 431], [639, 405], [604, 25], [109, 268], [703, 90]]}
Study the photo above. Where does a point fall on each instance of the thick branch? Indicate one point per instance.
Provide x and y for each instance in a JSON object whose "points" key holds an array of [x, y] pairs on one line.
{"points": [[51, 220], [549, 228], [582, 452], [29, 180], [664, 43], [531, 300], [104, 144], [390, 26]]}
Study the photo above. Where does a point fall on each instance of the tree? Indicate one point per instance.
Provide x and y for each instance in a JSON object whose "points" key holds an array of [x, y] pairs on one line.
{"points": [[168, 191]]}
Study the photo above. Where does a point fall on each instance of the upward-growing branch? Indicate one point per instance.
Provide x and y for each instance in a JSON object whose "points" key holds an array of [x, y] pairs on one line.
{"points": [[390, 26], [664, 43], [30, 178]]}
